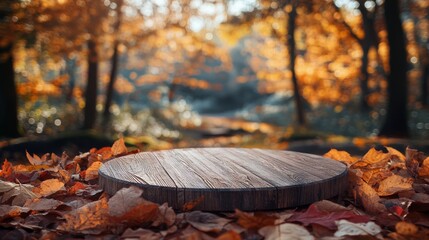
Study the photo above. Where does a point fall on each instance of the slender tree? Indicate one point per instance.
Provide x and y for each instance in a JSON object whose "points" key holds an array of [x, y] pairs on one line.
{"points": [[114, 63], [8, 95], [395, 124], [290, 44]]}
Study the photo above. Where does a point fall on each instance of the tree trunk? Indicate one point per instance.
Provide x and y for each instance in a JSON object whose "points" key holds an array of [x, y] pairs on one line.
{"points": [[8, 94], [70, 70], [90, 111], [114, 66], [425, 84], [292, 54], [111, 84], [395, 124], [364, 76]]}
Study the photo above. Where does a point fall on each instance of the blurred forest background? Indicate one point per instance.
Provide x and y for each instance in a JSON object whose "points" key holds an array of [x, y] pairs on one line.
{"points": [[174, 73]]}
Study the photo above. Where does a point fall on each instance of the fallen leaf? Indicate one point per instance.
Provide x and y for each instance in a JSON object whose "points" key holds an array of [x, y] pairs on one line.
{"points": [[328, 206], [166, 215], [19, 193], [128, 206], [206, 222], [394, 184], [230, 235], [92, 172], [7, 211], [140, 233], [42, 204], [327, 219], [254, 221], [413, 160], [374, 156], [192, 204], [105, 153], [341, 156], [424, 169], [119, 147], [49, 187], [76, 187], [91, 218], [396, 153], [346, 228], [285, 231], [7, 172], [406, 228], [364, 193], [34, 160]]}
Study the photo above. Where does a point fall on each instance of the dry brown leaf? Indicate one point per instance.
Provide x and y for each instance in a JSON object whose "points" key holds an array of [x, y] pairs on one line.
{"points": [[189, 206], [119, 147], [254, 221], [341, 156], [329, 206], [166, 215], [285, 231], [376, 157], [230, 235], [141, 233], [7, 171], [92, 172], [424, 168], [43, 204], [206, 222], [105, 153], [34, 160], [128, 206], [19, 193], [91, 218], [406, 228], [394, 184], [7, 211], [396, 153], [49, 187], [413, 161], [365, 194]]}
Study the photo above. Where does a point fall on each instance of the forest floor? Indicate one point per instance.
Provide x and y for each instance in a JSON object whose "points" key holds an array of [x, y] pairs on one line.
{"points": [[57, 197]]}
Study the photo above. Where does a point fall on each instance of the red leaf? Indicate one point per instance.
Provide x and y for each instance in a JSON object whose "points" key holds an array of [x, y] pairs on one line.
{"points": [[7, 172], [327, 219], [77, 186], [254, 221]]}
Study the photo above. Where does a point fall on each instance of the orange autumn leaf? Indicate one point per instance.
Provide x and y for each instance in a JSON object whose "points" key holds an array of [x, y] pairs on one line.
{"points": [[128, 206], [7, 172], [91, 218], [341, 156], [254, 221], [424, 168], [230, 235], [92, 171], [49, 187], [34, 160], [105, 152], [374, 156], [76, 187], [394, 184], [119, 147], [189, 206]]}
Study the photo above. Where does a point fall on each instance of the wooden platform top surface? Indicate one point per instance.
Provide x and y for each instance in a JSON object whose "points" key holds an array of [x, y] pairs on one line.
{"points": [[249, 179]]}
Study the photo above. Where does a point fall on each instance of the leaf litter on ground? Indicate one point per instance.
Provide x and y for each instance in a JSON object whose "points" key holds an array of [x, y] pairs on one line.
{"points": [[58, 197]]}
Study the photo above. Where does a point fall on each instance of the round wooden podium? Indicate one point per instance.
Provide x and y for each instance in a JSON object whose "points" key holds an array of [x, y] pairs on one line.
{"points": [[227, 178]]}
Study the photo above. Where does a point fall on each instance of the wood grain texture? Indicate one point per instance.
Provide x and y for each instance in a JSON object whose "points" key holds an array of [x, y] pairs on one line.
{"points": [[228, 178]]}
